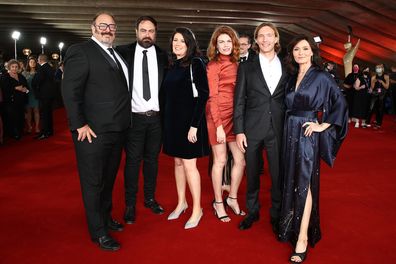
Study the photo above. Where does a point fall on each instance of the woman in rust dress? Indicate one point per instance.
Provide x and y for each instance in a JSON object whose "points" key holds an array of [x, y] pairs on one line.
{"points": [[223, 53]]}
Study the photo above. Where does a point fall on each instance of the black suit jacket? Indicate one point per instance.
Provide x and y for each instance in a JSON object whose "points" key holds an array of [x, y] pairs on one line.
{"points": [[128, 54], [93, 90], [254, 106], [43, 82], [250, 57]]}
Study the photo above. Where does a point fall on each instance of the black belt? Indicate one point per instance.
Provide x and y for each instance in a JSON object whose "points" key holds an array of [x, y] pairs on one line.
{"points": [[148, 113], [308, 114]]}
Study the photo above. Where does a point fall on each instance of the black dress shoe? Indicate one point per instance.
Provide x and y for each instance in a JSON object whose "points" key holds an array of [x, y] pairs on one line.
{"points": [[130, 215], [113, 225], [248, 221], [42, 136], [154, 206], [107, 243]]}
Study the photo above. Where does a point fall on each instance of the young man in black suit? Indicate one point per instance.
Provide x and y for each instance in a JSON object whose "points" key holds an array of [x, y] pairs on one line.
{"points": [[258, 120], [146, 71], [97, 100], [45, 90]]}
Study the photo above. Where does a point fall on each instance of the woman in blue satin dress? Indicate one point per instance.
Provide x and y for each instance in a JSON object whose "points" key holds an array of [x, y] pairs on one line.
{"points": [[315, 126]]}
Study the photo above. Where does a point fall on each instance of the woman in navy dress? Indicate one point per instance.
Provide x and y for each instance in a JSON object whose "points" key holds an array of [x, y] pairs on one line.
{"points": [[185, 131], [315, 126]]}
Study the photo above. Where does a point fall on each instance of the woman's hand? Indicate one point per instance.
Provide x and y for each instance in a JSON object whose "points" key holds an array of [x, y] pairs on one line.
{"points": [[21, 88], [192, 134], [220, 134], [311, 127]]}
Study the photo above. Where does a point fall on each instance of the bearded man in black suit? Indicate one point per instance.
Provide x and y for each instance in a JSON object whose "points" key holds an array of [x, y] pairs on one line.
{"points": [[97, 100], [147, 64]]}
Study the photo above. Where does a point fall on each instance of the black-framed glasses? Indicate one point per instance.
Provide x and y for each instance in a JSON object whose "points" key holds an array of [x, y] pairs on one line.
{"points": [[104, 26]]}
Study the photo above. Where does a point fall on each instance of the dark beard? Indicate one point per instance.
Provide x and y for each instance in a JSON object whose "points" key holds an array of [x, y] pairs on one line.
{"points": [[145, 43]]}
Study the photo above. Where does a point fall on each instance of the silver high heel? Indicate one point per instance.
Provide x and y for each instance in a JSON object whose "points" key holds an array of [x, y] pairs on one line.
{"points": [[192, 224], [175, 215]]}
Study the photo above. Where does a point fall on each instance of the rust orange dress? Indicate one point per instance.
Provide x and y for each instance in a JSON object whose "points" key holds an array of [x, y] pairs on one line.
{"points": [[220, 105]]}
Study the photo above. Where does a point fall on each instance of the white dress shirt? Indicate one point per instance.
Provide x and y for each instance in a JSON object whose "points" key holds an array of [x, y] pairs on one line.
{"points": [[272, 71], [139, 104], [123, 64]]}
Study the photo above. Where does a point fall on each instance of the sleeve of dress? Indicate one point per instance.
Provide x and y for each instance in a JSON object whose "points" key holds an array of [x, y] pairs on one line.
{"points": [[213, 72], [335, 112], [201, 83]]}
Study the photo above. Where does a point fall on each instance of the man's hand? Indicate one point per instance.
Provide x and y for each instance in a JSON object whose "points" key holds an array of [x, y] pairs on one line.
{"points": [[241, 142], [85, 132]]}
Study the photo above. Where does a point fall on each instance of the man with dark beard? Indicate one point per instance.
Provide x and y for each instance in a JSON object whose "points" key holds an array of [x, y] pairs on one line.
{"points": [[146, 71]]}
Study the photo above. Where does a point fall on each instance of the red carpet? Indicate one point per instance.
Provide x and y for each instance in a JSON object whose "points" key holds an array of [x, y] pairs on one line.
{"points": [[42, 217]]}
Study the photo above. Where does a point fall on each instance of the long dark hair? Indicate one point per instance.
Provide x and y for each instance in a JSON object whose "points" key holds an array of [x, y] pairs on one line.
{"points": [[291, 64], [191, 43]]}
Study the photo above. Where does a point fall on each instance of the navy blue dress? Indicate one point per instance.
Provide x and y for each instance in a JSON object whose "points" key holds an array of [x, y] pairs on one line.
{"points": [[318, 98], [182, 110]]}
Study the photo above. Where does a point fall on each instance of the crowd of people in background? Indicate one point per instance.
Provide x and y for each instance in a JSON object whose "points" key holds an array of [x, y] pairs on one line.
{"points": [[369, 93], [28, 94], [236, 102]]}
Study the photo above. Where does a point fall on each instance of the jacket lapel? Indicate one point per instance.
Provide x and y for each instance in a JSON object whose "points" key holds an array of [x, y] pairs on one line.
{"points": [[161, 65], [280, 85], [105, 55], [259, 73]]}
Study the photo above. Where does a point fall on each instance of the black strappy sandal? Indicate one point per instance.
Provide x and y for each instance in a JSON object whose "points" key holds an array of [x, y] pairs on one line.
{"points": [[241, 213], [302, 256], [216, 214]]}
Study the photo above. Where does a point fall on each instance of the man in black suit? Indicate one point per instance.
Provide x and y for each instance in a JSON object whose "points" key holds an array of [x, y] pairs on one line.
{"points": [[146, 72], [96, 97], [258, 120], [45, 90], [245, 44]]}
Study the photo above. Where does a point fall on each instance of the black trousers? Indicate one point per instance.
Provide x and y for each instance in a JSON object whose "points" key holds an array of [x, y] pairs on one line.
{"points": [[254, 166], [377, 106], [14, 119], [98, 163], [46, 119], [143, 143]]}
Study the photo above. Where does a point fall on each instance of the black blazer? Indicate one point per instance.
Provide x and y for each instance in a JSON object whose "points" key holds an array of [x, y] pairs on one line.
{"points": [[128, 54], [43, 82], [254, 106], [94, 91], [7, 87]]}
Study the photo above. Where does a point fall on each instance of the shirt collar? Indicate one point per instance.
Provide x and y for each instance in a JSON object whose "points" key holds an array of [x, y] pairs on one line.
{"points": [[266, 61], [140, 48], [100, 44]]}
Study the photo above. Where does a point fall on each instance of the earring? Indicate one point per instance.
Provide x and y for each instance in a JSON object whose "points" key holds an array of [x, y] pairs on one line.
{"points": [[217, 51]]}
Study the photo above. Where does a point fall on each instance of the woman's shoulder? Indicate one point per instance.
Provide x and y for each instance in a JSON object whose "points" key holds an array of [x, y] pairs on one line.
{"points": [[214, 65]]}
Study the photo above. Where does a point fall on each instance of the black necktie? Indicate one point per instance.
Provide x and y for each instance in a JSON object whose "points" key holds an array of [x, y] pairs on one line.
{"points": [[146, 81], [118, 64]]}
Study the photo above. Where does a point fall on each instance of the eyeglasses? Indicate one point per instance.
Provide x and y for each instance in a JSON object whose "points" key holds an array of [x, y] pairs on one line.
{"points": [[104, 26], [244, 44]]}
